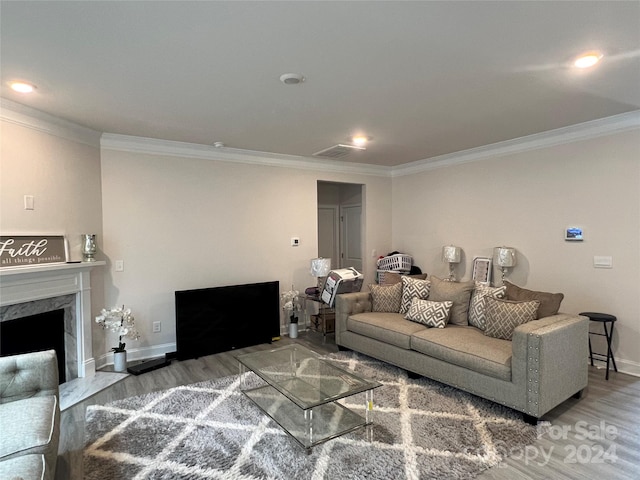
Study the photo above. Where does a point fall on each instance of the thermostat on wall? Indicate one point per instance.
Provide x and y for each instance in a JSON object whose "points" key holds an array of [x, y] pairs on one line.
{"points": [[573, 234]]}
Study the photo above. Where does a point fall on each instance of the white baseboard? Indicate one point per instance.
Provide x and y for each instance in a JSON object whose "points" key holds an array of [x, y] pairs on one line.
{"points": [[137, 354]]}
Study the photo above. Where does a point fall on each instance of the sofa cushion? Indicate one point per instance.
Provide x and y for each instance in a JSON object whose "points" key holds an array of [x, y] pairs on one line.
{"points": [[389, 328], [386, 298], [27, 426], [25, 467], [549, 302], [391, 278], [413, 288], [477, 306], [503, 316], [457, 292], [431, 314], [466, 347]]}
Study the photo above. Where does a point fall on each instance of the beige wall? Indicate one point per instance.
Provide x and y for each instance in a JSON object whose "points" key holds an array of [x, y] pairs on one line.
{"points": [[64, 178], [183, 223], [526, 201]]}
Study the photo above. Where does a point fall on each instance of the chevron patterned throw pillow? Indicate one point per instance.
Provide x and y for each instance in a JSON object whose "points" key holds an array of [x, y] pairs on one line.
{"points": [[413, 288], [432, 314], [386, 298], [503, 316], [477, 306]]}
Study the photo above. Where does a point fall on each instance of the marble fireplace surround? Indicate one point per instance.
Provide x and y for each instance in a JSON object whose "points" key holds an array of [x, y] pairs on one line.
{"points": [[37, 289]]}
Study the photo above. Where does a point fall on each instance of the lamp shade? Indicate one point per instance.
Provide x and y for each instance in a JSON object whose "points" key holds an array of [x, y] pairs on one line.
{"points": [[504, 256], [320, 267], [451, 254]]}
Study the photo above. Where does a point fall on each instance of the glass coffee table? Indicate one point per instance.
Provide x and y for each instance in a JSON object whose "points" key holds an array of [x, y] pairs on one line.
{"points": [[300, 390]]}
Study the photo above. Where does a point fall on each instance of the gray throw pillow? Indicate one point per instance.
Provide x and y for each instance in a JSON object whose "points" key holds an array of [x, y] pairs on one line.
{"points": [[549, 302], [457, 292]]}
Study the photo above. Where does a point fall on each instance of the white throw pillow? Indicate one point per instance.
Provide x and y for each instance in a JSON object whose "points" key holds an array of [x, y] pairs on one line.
{"points": [[432, 314], [413, 288]]}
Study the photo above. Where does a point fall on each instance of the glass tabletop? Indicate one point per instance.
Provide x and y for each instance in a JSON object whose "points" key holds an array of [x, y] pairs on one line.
{"points": [[303, 376]]}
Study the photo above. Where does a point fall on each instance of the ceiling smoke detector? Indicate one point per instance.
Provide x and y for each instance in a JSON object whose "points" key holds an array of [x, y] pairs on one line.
{"points": [[338, 151], [291, 78]]}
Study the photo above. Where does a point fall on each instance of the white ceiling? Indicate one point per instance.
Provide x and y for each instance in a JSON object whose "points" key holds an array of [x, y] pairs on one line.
{"points": [[422, 78]]}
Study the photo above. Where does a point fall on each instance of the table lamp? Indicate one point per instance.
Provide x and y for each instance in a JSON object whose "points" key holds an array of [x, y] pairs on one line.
{"points": [[320, 268], [451, 255], [504, 257]]}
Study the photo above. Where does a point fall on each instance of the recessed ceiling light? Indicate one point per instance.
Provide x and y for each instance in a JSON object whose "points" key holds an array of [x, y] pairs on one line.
{"points": [[291, 78], [22, 87], [360, 140], [587, 60]]}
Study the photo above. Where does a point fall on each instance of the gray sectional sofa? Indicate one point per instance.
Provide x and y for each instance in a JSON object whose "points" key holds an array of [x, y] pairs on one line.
{"points": [[29, 416], [541, 366]]}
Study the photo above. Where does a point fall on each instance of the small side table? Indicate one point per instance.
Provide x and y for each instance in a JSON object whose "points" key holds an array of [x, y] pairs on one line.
{"points": [[605, 319], [324, 321]]}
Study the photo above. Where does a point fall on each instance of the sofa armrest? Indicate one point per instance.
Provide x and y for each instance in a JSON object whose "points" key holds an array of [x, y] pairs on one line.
{"points": [[350, 304], [551, 354], [28, 375]]}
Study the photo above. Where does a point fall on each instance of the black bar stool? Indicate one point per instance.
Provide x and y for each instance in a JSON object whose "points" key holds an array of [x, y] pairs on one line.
{"points": [[605, 319]]}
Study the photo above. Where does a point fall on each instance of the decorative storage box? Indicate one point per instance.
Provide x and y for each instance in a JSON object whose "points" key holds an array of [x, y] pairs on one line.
{"points": [[397, 262], [343, 280], [381, 274], [323, 322]]}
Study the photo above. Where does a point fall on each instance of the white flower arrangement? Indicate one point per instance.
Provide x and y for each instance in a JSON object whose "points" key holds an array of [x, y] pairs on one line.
{"points": [[121, 321], [290, 304]]}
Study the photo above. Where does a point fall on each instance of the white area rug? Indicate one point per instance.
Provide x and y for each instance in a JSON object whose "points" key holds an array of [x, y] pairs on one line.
{"points": [[210, 430]]}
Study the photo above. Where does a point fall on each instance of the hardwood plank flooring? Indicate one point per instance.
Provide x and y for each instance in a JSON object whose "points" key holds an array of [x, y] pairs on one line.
{"points": [[608, 414]]}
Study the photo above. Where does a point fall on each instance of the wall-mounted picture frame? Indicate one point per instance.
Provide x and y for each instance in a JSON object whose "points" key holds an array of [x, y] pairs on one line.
{"points": [[482, 270]]}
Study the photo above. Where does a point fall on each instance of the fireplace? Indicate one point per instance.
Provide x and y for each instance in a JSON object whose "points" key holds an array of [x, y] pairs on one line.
{"points": [[34, 333], [42, 325], [32, 291]]}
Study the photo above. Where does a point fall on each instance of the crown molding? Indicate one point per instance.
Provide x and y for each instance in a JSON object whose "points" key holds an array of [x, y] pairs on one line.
{"points": [[28, 117], [573, 133], [125, 143]]}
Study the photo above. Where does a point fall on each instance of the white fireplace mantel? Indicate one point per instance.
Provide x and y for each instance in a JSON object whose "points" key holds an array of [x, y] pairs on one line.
{"points": [[30, 283]]}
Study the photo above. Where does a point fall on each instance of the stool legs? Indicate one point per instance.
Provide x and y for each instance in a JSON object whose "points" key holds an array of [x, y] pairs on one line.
{"points": [[609, 334]]}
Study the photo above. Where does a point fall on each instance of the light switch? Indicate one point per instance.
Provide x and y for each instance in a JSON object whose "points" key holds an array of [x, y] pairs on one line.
{"points": [[119, 265], [28, 202], [602, 262]]}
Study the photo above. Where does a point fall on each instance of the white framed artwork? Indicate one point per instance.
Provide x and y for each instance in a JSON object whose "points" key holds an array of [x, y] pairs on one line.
{"points": [[482, 270]]}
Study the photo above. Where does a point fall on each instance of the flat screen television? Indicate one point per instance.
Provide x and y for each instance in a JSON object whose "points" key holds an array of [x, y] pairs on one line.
{"points": [[219, 319]]}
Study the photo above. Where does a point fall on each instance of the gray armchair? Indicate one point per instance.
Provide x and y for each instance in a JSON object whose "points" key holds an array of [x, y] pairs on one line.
{"points": [[29, 416]]}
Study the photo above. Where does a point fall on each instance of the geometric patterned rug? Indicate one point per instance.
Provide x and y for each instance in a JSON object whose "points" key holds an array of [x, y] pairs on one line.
{"points": [[210, 430]]}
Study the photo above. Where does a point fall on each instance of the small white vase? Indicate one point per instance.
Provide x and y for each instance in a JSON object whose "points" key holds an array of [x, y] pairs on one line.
{"points": [[293, 330], [120, 361]]}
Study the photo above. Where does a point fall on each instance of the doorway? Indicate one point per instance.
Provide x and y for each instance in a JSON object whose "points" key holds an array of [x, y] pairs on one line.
{"points": [[340, 224]]}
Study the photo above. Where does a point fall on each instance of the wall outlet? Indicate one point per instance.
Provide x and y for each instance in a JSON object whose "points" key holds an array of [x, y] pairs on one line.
{"points": [[119, 265], [295, 241], [157, 327]]}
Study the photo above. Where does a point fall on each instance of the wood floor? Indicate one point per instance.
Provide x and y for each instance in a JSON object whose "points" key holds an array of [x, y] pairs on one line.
{"points": [[595, 437]]}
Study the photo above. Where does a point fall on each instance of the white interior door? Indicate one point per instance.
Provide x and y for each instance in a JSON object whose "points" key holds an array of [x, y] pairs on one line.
{"points": [[328, 233], [351, 237]]}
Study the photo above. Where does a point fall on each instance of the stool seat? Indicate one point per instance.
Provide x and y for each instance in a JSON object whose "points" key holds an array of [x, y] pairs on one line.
{"points": [[598, 317], [605, 319]]}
